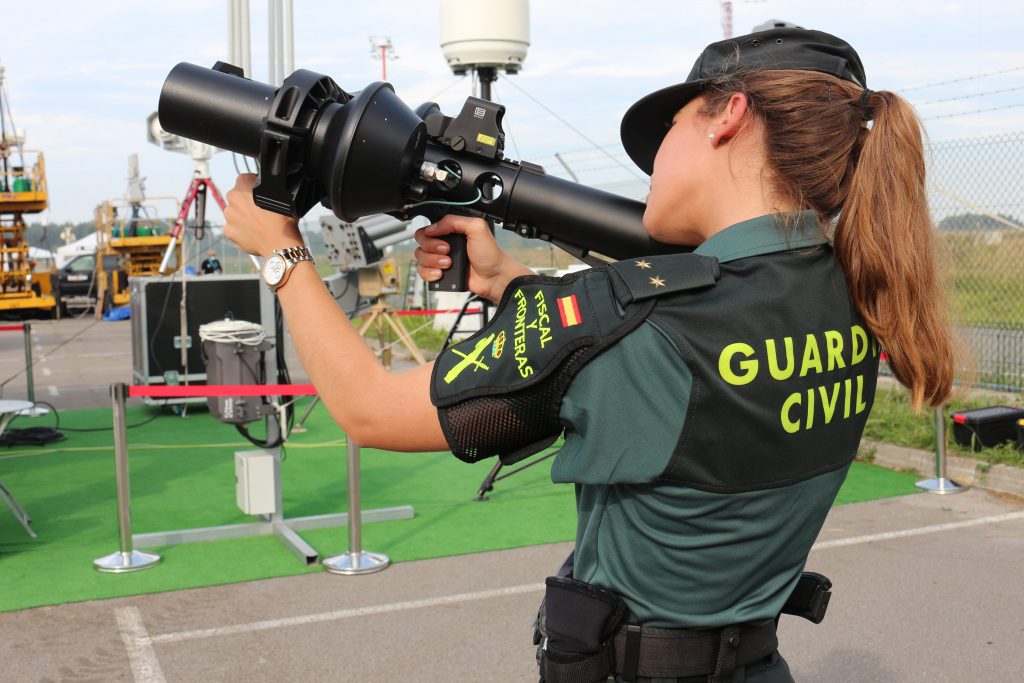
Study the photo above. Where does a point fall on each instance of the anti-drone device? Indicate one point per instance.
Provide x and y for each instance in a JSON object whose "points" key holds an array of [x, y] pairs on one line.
{"points": [[367, 152]]}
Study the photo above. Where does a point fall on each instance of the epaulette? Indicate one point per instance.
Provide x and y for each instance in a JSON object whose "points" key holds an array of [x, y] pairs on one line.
{"points": [[650, 276]]}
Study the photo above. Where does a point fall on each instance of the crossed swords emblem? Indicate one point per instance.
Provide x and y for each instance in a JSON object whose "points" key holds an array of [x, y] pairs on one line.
{"points": [[471, 359]]}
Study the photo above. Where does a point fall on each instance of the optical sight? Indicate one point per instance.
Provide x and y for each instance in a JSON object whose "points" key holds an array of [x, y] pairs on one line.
{"points": [[366, 152]]}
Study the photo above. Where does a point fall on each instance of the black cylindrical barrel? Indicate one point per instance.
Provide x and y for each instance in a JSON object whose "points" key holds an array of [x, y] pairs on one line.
{"points": [[216, 108], [604, 223]]}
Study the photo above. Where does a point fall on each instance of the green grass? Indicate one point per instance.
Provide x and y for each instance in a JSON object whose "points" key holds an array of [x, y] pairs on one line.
{"points": [[182, 477], [893, 421], [987, 278]]}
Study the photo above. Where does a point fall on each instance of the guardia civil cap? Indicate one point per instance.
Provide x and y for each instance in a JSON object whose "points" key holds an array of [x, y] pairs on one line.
{"points": [[645, 123]]}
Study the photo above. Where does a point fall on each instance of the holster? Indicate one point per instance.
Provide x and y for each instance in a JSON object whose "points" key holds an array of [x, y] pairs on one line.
{"points": [[809, 598], [575, 626]]}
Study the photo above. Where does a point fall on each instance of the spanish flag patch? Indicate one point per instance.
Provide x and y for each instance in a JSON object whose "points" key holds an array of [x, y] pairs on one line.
{"points": [[569, 309]]}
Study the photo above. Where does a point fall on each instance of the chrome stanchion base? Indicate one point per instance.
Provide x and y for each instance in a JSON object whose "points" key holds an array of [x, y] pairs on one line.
{"points": [[120, 563], [941, 486], [356, 563]]}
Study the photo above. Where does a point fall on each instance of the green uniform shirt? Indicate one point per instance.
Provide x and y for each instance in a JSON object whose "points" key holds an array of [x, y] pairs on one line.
{"points": [[682, 557]]}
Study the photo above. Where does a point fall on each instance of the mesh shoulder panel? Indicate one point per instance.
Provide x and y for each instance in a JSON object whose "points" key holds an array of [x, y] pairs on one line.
{"points": [[513, 425], [499, 392]]}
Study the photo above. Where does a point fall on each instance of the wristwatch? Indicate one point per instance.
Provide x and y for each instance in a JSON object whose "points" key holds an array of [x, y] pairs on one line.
{"points": [[278, 266]]}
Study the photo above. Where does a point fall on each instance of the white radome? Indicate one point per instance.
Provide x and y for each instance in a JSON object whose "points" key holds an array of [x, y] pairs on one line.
{"points": [[494, 33]]}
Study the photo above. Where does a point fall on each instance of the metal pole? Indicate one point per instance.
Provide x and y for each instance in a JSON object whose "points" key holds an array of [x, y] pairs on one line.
{"points": [[246, 56], [279, 41], [289, 29], [356, 560], [30, 378], [271, 37], [940, 484], [232, 26], [126, 559], [28, 363]]}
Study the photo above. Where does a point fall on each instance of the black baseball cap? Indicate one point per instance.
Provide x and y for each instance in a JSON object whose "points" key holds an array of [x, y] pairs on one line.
{"points": [[645, 123]]}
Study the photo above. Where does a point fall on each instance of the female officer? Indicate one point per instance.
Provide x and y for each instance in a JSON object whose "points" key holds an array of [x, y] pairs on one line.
{"points": [[711, 402]]}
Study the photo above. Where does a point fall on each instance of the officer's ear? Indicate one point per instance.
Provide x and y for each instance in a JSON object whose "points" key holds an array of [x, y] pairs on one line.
{"points": [[731, 121]]}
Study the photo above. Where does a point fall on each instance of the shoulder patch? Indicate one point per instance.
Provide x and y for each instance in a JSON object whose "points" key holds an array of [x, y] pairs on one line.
{"points": [[539, 322], [652, 276]]}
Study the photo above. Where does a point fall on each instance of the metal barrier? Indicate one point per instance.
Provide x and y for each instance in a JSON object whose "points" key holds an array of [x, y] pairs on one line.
{"points": [[127, 559], [26, 328]]}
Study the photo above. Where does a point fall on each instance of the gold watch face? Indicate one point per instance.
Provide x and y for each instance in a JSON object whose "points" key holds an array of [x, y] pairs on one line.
{"points": [[273, 269]]}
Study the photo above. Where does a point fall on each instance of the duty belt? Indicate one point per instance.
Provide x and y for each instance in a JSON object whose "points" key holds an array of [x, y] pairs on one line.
{"points": [[679, 653]]}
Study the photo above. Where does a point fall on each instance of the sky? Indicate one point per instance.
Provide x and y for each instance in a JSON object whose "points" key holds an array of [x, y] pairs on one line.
{"points": [[82, 76]]}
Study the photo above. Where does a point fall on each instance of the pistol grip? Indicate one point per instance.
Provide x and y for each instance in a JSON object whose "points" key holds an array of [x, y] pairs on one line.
{"points": [[456, 277]]}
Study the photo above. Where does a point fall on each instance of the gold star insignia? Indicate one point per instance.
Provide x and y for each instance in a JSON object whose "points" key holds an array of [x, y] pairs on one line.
{"points": [[642, 264], [657, 281]]}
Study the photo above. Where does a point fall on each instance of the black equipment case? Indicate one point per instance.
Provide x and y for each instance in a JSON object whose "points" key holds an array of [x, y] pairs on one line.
{"points": [[986, 427]]}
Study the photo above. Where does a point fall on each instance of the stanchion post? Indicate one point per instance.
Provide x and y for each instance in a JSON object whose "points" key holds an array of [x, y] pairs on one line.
{"points": [[28, 363], [126, 559], [29, 377], [940, 484], [356, 560]]}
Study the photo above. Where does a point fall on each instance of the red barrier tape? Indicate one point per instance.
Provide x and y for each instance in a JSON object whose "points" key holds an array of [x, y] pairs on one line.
{"points": [[11, 328], [206, 391], [432, 311]]}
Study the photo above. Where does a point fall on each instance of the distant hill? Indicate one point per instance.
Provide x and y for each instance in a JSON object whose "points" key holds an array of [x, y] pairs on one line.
{"points": [[964, 222]]}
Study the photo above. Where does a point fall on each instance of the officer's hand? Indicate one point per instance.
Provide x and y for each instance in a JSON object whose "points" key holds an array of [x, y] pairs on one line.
{"points": [[255, 230], [490, 267]]}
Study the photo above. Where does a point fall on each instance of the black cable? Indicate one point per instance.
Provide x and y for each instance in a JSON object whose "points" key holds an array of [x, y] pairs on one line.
{"points": [[41, 436], [159, 324], [160, 412]]}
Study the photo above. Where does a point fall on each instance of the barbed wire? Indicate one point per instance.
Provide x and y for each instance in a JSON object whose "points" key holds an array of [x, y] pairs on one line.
{"points": [[971, 96], [960, 80], [973, 111]]}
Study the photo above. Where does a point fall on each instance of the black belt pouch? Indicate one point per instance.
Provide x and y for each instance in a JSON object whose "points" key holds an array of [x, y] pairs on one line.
{"points": [[579, 620]]}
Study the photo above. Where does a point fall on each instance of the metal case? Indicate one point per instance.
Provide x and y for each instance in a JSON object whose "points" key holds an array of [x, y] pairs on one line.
{"points": [[156, 321]]}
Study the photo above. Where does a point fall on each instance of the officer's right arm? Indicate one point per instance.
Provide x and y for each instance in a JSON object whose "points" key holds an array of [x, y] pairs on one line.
{"points": [[490, 267]]}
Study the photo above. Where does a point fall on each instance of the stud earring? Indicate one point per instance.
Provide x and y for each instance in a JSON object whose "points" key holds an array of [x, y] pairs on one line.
{"points": [[711, 136]]}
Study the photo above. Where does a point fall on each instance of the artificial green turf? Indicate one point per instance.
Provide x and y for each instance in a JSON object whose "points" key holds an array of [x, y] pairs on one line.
{"points": [[182, 477]]}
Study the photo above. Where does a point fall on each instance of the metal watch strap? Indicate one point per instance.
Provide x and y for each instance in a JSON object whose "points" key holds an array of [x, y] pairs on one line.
{"points": [[295, 254], [292, 256]]}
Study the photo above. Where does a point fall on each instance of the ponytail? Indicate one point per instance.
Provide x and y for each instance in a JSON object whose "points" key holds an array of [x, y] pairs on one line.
{"points": [[885, 243], [824, 157]]}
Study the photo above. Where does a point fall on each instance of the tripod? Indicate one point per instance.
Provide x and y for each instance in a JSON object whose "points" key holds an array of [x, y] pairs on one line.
{"points": [[196, 193], [382, 316]]}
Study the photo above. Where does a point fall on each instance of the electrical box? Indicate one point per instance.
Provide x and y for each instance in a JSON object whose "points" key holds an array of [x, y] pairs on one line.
{"points": [[254, 482]]}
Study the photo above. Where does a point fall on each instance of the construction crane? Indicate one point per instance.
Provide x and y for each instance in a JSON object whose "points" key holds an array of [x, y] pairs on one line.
{"points": [[22, 191], [727, 25]]}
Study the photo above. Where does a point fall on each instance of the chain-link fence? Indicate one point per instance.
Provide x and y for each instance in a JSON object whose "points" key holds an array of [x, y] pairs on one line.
{"points": [[976, 195]]}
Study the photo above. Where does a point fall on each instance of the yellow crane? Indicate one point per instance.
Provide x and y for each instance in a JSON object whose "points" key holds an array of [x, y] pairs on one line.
{"points": [[22, 191]]}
